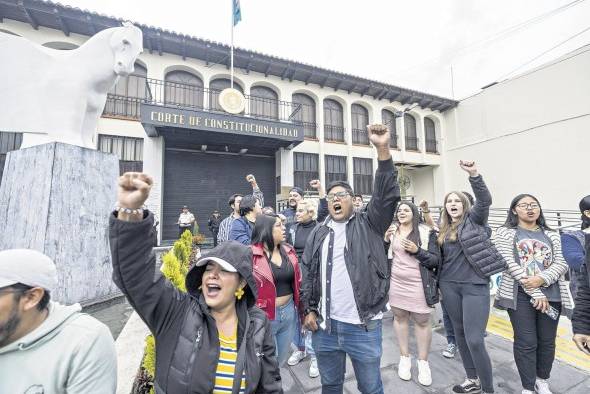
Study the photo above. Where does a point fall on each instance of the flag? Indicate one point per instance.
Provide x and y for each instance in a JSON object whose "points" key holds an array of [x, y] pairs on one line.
{"points": [[236, 11]]}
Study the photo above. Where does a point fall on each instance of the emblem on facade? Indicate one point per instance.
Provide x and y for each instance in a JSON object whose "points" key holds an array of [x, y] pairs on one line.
{"points": [[232, 101]]}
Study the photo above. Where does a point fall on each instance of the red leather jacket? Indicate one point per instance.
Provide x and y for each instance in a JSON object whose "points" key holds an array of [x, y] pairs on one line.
{"points": [[264, 280]]}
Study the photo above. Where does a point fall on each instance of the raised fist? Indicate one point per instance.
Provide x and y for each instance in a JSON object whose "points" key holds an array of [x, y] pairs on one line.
{"points": [[315, 184], [379, 135], [250, 178], [424, 205], [134, 189], [469, 167]]}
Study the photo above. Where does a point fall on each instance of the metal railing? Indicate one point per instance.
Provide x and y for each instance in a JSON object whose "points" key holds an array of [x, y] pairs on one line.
{"points": [[411, 143], [182, 95], [333, 133], [360, 136], [310, 130], [562, 220], [431, 146], [393, 141]]}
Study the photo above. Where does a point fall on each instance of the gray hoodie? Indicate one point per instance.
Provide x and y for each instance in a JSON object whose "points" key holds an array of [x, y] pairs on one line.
{"points": [[70, 352]]}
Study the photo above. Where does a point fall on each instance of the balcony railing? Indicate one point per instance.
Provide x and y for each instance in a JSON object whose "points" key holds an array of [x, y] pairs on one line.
{"points": [[393, 141], [431, 146], [310, 130], [333, 133], [181, 95], [360, 136], [412, 143]]}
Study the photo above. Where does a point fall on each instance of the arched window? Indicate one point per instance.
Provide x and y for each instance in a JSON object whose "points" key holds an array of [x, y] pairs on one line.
{"points": [[217, 86], [183, 89], [360, 120], [430, 136], [305, 114], [264, 102], [125, 98], [333, 121], [411, 135], [388, 119]]}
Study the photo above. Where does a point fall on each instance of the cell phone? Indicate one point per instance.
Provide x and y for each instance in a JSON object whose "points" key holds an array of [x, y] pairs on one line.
{"points": [[551, 311]]}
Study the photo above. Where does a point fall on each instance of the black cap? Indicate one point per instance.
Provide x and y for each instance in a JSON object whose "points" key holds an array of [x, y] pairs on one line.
{"points": [[585, 204], [184, 207], [297, 190], [231, 254]]}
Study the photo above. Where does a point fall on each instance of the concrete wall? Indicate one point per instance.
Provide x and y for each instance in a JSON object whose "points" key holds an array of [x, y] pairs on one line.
{"points": [[528, 134]]}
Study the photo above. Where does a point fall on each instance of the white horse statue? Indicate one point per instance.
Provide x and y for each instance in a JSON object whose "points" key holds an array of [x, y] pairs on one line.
{"points": [[53, 95]]}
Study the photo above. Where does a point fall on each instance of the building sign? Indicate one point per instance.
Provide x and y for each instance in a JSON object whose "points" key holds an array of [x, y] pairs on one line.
{"points": [[153, 116]]}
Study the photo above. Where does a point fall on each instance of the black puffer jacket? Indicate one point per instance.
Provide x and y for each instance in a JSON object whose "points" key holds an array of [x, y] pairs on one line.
{"points": [[187, 342], [581, 316], [365, 256], [474, 233]]}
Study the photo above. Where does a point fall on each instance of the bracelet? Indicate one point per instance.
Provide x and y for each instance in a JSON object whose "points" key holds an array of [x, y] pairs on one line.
{"points": [[130, 211]]}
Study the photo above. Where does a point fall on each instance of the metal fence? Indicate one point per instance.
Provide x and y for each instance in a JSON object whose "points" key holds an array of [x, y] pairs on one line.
{"points": [[360, 137]]}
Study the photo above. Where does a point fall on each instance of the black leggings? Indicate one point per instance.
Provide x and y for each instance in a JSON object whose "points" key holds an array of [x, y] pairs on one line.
{"points": [[534, 340], [468, 306]]}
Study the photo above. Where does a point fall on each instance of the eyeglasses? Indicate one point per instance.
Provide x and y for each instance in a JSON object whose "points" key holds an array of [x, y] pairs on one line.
{"points": [[340, 195], [532, 205]]}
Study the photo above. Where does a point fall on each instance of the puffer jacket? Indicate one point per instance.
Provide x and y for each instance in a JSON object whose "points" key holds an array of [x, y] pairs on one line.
{"points": [[187, 341], [474, 235], [429, 260], [365, 257]]}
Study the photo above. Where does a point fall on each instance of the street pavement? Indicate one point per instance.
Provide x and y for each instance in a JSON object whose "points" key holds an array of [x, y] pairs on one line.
{"points": [[565, 379]]}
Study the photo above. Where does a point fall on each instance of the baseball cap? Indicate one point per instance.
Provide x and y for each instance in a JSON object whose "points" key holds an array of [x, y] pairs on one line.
{"points": [[297, 190], [29, 267], [224, 264]]}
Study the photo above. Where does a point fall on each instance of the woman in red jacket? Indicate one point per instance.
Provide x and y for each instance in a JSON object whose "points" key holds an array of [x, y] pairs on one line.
{"points": [[278, 278]]}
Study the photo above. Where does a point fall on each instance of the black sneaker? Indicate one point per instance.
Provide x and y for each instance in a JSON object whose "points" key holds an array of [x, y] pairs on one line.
{"points": [[468, 386]]}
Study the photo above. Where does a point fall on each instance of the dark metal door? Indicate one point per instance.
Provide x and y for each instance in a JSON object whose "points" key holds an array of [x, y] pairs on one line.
{"points": [[205, 181]]}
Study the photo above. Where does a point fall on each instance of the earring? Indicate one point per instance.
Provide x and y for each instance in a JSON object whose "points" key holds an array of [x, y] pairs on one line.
{"points": [[239, 293]]}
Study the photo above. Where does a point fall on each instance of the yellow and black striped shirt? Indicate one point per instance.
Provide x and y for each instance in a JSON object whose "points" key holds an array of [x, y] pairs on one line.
{"points": [[226, 365]]}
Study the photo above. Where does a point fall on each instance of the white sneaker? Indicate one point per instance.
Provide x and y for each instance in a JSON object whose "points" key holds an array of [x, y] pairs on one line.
{"points": [[314, 372], [542, 386], [527, 392], [424, 375], [404, 369], [296, 357]]}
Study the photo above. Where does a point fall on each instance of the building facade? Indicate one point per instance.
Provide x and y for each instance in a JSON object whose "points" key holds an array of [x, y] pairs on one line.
{"points": [[300, 122]]}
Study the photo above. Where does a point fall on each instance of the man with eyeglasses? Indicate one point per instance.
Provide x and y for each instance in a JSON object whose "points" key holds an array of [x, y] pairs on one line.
{"points": [[346, 277], [46, 347]]}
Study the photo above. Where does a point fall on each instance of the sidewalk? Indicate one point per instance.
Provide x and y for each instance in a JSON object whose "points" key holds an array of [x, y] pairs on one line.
{"points": [[565, 379]]}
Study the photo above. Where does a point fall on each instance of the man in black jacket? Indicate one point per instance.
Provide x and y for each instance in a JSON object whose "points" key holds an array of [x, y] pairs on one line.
{"points": [[185, 325], [346, 277], [581, 316]]}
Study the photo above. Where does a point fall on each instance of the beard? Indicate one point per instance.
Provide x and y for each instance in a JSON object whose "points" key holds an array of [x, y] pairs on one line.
{"points": [[9, 327], [292, 203]]}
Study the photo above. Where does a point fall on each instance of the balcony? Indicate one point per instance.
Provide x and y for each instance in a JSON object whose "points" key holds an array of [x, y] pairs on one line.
{"points": [[186, 96], [431, 146], [360, 137], [333, 133], [412, 144]]}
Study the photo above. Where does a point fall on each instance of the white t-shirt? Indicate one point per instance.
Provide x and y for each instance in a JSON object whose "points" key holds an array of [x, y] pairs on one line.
{"points": [[186, 218], [342, 304]]}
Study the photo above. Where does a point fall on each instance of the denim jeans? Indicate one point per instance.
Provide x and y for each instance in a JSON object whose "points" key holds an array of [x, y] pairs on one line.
{"points": [[302, 341], [362, 345], [534, 340], [449, 330], [283, 328]]}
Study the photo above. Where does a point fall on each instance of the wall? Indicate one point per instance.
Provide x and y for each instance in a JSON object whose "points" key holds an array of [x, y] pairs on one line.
{"points": [[528, 134]]}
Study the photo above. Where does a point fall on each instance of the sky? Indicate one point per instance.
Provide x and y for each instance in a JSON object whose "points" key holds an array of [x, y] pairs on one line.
{"points": [[413, 44]]}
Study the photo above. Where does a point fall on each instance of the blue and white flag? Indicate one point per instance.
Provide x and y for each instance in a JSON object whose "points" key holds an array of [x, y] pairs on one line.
{"points": [[236, 11]]}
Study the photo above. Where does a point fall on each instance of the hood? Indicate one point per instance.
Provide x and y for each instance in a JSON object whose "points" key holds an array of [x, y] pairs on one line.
{"points": [[57, 318], [236, 254]]}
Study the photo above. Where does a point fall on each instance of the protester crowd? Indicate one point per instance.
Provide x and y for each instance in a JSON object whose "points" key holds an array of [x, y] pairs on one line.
{"points": [[311, 281]]}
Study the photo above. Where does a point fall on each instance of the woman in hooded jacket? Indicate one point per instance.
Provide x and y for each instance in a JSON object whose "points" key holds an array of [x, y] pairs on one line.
{"points": [[211, 339]]}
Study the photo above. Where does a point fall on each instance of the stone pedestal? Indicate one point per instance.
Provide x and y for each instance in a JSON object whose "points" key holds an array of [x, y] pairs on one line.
{"points": [[56, 198]]}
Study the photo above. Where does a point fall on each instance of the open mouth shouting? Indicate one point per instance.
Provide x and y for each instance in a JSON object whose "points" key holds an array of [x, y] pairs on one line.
{"points": [[212, 290], [337, 207]]}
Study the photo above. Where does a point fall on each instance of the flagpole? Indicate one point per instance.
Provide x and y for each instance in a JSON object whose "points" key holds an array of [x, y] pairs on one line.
{"points": [[232, 48]]}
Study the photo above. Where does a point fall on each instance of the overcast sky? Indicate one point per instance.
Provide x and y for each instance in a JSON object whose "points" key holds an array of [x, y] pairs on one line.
{"points": [[409, 43]]}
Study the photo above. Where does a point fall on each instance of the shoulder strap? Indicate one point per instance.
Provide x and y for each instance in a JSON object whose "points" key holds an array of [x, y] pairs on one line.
{"points": [[241, 359]]}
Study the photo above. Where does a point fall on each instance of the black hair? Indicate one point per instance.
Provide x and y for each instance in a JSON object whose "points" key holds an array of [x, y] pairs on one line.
{"points": [[345, 185], [263, 229], [232, 199], [22, 288], [469, 197], [584, 206], [358, 195], [247, 204], [414, 235], [512, 218]]}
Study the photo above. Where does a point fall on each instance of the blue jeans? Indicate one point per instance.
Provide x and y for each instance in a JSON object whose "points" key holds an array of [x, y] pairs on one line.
{"points": [[302, 340], [283, 328], [363, 346]]}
